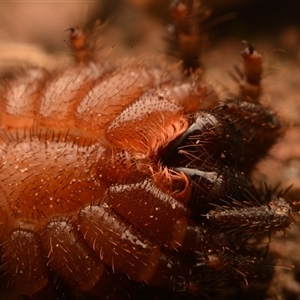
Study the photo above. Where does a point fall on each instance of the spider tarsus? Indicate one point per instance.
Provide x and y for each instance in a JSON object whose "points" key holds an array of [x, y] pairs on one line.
{"points": [[250, 77], [78, 42], [189, 38]]}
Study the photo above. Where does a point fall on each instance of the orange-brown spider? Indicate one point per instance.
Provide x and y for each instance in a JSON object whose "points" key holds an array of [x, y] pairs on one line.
{"points": [[131, 178]]}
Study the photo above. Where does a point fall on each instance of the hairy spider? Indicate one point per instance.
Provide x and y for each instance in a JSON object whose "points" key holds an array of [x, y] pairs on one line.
{"points": [[132, 181]]}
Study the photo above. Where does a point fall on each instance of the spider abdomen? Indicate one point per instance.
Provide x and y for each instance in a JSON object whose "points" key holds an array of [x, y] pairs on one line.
{"points": [[67, 141]]}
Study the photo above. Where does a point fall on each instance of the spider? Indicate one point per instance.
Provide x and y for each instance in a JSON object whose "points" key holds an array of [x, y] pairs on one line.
{"points": [[131, 180]]}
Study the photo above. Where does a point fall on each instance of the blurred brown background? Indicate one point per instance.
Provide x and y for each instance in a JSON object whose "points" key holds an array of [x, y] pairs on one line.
{"points": [[140, 24]]}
